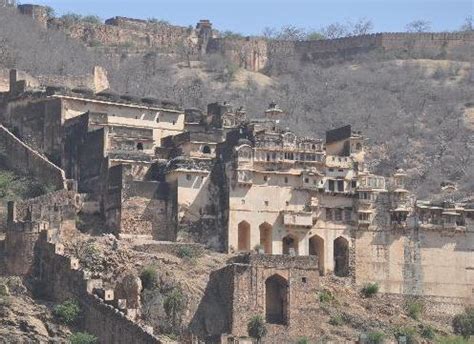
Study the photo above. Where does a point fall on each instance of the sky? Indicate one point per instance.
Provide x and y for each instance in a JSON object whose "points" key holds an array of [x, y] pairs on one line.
{"points": [[250, 17]]}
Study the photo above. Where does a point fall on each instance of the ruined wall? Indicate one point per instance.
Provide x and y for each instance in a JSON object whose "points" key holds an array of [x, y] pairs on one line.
{"points": [[61, 278], [27, 219], [417, 262], [37, 122], [22, 158], [137, 207]]}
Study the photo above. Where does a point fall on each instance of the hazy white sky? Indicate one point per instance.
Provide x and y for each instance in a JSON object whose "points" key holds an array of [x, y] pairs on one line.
{"points": [[251, 16]]}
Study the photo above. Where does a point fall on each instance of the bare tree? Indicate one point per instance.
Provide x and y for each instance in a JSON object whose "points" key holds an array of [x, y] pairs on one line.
{"points": [[419, 25], [468, 24], [362, 26], [335, 30]]}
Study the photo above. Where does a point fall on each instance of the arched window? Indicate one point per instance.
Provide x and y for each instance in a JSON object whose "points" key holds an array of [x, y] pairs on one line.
{"points": [[358, 146], [276, 300], [316, 248], [290, 242], [243, 236], [266, 237], [206, 150], [140, 146]]}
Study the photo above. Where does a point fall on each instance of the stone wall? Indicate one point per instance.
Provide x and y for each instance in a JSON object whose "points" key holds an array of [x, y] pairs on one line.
{"points": [[255, 54], [250, 54], [417, 262], [126, 33], [22, 158], [61, 278], [55, 211]]}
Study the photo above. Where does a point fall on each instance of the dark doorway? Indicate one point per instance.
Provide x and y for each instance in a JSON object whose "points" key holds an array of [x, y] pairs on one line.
{"points": [[290, 242], [316, 248], [276, 300], [341, 257], [243, 236]]}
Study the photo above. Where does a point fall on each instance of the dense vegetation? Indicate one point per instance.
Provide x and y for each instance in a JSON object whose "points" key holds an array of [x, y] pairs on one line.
{"points": [[412, 105]]}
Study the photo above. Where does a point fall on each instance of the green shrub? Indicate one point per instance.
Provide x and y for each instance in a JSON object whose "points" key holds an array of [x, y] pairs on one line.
{"points": [[414, 309], [375, 337], [302, 340], [82, 338], [149, 277], [337, 320], [463, 324], [428, 332], [174, 305], [370, 289], [408, 332], [256, 327], [325, 296], [186, 252], [67, 312]]}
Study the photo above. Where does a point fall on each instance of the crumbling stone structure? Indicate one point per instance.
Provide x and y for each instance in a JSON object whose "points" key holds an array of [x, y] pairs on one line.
{"points": [[279, 288]]}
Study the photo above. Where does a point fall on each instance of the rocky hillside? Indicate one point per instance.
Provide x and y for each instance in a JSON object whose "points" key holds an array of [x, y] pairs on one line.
{"points": [[25, 320], [167, 270]]}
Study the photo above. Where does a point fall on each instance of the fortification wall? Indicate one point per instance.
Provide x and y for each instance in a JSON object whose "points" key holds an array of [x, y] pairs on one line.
{"points": [[22, 158], [251, 54], [437, 264], [255, 54], [55, 211], [62, 278], [129, 33]]}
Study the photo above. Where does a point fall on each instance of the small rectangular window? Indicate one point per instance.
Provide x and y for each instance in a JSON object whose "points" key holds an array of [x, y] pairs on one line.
{"points": [[331, 185], [338, 214], [328, 214], [340, 185]]}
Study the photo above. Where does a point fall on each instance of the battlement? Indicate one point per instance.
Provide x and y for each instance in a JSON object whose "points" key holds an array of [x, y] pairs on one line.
{"points": [[108, 318]]}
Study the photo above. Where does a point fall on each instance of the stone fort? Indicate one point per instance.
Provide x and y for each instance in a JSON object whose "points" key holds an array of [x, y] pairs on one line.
{"points": [[289, 208], [252, 53]]}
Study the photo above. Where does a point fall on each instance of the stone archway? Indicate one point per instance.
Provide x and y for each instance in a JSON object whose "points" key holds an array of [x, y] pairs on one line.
{"points": [[276, 300], [290, 242], [266, 239], [243, 236], [316, 248], [341, 257]]}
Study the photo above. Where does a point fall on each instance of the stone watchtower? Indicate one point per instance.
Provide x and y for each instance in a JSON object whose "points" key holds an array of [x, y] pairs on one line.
{"points": [[38, 13], [204, 33], [274, 112]]}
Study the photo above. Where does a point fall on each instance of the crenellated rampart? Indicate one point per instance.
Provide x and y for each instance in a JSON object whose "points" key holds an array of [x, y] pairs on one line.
{"points": [[61, 278]]}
